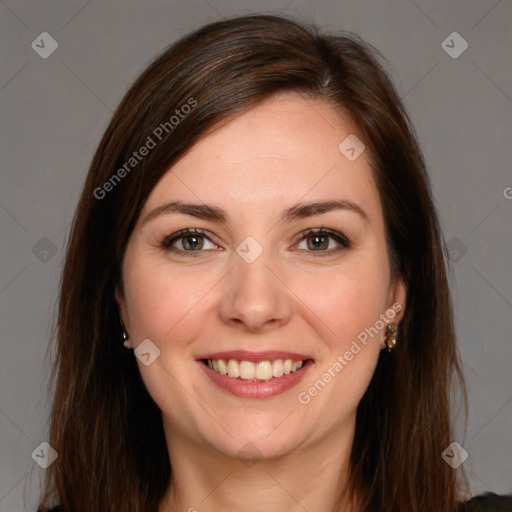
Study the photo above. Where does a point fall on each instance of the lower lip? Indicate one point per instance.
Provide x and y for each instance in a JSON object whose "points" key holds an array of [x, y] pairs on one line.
{"points": [[257, 389]]}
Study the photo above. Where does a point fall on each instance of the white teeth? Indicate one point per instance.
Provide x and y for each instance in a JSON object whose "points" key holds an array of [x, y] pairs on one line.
{"points": [[264, 370], [247, 370], [223, 367], [277, 368], [297, 365], [233, 368]]}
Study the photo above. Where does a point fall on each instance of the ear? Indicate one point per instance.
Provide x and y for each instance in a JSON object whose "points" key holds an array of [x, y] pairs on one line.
{"points": [[121, 304], [397, 298]]}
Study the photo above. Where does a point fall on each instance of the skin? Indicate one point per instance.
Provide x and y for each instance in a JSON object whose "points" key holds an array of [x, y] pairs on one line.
{"points": [[281, 152]]}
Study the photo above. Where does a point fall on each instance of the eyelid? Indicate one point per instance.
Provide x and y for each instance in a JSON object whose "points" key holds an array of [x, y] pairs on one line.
{"points": [[337, 235]]}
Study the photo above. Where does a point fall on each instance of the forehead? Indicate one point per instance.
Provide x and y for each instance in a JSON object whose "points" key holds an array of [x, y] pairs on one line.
{"points": [[283, 150]]}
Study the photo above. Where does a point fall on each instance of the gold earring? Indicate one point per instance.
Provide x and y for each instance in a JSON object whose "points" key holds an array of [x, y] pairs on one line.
{"points": [[391, 334], [127, 344], [126, 339]]}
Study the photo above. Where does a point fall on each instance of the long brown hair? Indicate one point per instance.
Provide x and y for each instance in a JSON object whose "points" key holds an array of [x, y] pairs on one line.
{"points": [[104, 425]]}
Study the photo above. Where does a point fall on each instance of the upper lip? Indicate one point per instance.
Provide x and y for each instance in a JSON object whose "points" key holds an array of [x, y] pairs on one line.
{"points": [[255, 357]]}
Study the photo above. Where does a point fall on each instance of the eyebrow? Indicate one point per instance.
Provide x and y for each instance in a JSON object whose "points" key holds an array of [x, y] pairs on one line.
{"points": [[216, 214]]}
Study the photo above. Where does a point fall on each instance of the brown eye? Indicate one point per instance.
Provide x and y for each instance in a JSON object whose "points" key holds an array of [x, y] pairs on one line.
{"points": [[318, 241], [190, 240]]}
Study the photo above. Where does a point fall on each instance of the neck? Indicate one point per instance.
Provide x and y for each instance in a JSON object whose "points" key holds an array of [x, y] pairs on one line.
{"points": [[311, 478]]}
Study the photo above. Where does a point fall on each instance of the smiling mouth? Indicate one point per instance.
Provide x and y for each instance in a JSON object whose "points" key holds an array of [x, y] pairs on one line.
{"points": [[259, 371]]}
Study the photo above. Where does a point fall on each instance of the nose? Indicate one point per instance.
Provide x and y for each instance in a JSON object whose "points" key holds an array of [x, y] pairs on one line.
{"points": [[255, 295]]}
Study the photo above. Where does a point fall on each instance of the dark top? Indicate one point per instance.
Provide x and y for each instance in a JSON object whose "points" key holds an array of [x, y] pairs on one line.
{"points": [[488, 502]]}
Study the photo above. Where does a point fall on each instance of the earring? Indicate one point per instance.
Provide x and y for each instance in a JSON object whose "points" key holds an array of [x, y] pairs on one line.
{"points": [[391, 334], [127, 344], [126, 339]]}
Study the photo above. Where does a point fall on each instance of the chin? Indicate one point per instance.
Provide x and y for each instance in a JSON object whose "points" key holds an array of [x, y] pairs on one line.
{"points": [[255, 445], [274, 433]]}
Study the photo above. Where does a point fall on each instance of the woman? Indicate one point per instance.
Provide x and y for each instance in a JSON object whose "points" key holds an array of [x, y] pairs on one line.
{"points": [[254, 311]]}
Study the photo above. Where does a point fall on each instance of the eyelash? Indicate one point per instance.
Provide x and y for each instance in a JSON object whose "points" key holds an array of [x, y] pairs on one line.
{"points": [[321, 232]]}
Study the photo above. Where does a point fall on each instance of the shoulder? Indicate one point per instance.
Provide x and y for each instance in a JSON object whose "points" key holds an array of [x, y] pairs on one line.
{"points": [[488, 502]]}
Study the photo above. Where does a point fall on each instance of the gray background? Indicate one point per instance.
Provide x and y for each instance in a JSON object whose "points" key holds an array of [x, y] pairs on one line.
{"points": [[53, 112]]}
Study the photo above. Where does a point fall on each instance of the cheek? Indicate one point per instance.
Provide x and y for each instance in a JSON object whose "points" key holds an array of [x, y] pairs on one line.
{"points": [[160, 301], [346, 301], [347, 306]]}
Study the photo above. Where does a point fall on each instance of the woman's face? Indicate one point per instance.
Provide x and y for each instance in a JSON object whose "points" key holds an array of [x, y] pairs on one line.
{"points": [[255, 286]]}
